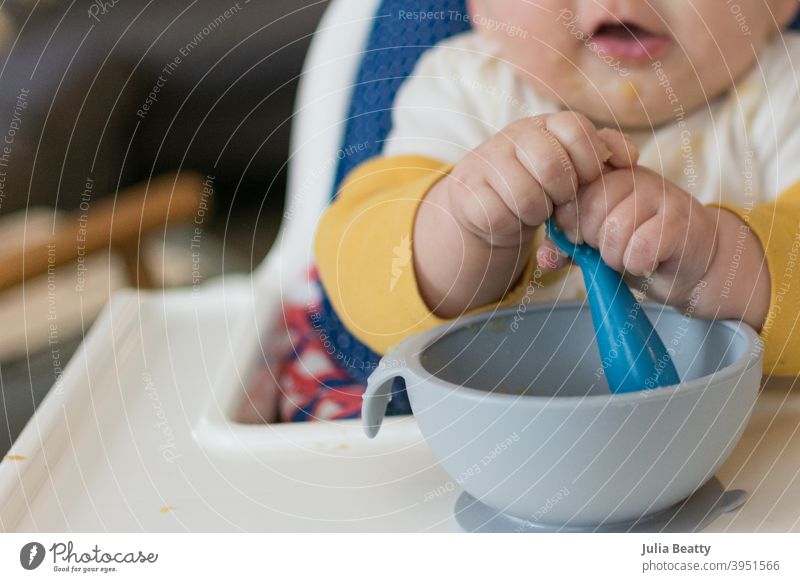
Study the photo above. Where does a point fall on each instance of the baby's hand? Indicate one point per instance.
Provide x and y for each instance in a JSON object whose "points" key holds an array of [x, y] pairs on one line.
{"points": [[510, 184], [645, 226], [475, 227]]}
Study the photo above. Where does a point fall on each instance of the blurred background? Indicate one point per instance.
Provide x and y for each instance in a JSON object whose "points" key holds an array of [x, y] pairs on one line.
{"points": [[132, 135]]}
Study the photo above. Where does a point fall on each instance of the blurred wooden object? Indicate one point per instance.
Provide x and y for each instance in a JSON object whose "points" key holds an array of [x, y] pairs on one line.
{"points": [[114, 222]]}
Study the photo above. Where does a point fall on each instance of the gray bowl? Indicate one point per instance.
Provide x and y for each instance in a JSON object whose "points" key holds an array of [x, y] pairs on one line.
{"points": [[516, 408]]}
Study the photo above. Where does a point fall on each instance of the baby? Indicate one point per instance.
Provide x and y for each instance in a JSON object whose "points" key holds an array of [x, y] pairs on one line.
{"points": [[664, 133]]}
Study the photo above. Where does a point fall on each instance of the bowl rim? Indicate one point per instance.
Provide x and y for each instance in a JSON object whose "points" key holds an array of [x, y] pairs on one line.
{"points": [[411, 350]]}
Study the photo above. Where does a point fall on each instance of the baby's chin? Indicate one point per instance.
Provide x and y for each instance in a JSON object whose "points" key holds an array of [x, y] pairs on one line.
{"points": [[625, 103], [625, 117]]}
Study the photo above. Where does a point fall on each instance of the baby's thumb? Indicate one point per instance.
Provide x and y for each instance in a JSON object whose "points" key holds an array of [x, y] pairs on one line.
{"points": [[624, 153], [549, 258]]}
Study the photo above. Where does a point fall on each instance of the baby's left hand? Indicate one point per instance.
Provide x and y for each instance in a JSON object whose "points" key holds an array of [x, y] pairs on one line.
{"points": [[644, 227]]}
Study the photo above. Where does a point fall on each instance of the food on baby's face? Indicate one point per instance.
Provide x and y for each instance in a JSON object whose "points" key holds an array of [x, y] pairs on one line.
{"points": [[628, 91]]}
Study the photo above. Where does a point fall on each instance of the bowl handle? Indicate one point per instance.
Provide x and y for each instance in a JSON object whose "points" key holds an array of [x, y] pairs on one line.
{"points": [[378, 394]]}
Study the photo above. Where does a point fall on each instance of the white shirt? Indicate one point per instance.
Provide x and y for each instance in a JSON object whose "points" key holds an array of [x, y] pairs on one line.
{"points": [[743, 148]]}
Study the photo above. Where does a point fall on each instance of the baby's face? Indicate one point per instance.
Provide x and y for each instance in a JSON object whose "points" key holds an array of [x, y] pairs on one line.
{"points": [[631, 63]]}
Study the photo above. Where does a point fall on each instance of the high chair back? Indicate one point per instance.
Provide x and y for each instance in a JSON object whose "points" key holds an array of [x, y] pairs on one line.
{"points": [[362, 52], [318, 130], [397, 39]]}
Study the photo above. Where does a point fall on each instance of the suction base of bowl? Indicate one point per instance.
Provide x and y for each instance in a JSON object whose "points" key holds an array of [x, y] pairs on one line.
{"points": [[692, 514]]}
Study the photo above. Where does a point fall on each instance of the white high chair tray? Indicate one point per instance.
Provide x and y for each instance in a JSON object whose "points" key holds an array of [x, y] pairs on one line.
{"points": [[123, 444], [162, 455]]}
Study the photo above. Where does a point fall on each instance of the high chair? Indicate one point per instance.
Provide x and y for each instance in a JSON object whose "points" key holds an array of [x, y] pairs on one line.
{"points": [[138, 434]]}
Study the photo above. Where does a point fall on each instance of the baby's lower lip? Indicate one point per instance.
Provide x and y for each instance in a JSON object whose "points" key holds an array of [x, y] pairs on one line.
{"points": [[644, 47]]}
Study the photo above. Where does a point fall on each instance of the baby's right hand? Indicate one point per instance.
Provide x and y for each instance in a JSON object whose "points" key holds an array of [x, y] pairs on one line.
{"points": [[509, 185]]}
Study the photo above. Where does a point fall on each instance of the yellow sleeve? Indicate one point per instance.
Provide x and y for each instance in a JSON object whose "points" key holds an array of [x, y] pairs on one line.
{"points": [[777, 226], [364, 251]]}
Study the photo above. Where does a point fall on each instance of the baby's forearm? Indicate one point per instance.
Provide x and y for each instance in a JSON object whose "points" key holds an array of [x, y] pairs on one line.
{"points": [[737, 283], [457, 269]]}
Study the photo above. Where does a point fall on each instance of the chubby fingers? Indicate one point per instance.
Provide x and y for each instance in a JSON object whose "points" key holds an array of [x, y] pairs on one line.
{"points": [[582, 218], [477, 206], [651, 244], [580, 139], [545, 159], [635, 218], [624, 153], [561, 151], [533, 166], [616, 231], [520, 192], [549, 258]]}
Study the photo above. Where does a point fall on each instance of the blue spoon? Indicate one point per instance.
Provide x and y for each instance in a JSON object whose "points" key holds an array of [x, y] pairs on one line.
{"points": [[634, 357]]}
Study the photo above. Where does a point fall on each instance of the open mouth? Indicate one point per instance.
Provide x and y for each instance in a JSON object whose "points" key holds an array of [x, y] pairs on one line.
{"points": [[629, 41]]}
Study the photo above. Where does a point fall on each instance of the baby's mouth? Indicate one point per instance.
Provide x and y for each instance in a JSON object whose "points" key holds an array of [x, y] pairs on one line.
{"points": [[629, 41]]}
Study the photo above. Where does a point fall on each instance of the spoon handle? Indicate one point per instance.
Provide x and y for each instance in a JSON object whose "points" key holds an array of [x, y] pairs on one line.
{"points": [[631, 351]]}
